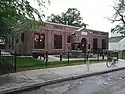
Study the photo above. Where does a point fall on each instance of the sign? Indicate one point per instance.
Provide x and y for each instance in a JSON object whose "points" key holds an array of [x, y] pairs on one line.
{"points": [[84, 33]]}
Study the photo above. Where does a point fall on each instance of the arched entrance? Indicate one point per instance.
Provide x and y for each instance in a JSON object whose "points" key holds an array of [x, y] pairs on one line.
{"points": [[84, 45]]}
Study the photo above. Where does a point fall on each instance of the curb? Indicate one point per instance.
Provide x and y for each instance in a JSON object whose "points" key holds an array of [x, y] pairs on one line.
{"points": [[36, 85]]}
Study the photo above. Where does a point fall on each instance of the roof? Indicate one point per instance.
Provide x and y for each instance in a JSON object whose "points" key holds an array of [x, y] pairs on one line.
{"points": [[62, 25], [116, 39], [78, 28], [97, 31]]}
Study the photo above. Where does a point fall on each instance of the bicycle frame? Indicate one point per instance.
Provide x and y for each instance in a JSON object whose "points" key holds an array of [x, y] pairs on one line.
{"points": [[111, 62]]}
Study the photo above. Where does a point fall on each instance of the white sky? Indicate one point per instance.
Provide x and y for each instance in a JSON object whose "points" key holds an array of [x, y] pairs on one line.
{"points": [[93, 12]]}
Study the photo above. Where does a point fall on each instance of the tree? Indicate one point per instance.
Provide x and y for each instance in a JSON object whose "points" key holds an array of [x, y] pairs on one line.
{"points": [[16, 15], [70, 17], [119, 17]]}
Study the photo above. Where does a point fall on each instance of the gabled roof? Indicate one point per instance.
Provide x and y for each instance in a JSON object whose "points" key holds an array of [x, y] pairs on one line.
{"points": [[80, 29], [116, 39]]}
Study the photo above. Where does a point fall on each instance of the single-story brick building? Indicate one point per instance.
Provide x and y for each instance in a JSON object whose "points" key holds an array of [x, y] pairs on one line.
{"points": [[58, 38]]}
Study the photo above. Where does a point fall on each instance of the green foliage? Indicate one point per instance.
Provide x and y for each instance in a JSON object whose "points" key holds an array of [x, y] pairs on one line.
{"points": [[15, 15], [119, 17], [70, 17]]}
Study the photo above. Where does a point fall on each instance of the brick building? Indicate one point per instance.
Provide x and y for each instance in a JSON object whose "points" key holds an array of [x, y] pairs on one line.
{"points": [[57, 38]]}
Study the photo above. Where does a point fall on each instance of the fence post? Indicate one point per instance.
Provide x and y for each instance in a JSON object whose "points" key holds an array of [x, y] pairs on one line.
{"points": [[68, 57], [84, 57], [87, 55], [61, 57], [98, 55], [0, 59], [117, 55], [46, 58], [88, 61], [103, 56], [122, 54], [15, 62]]}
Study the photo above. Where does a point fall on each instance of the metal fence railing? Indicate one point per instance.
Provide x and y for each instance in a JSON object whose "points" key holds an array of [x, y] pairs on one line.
{"points": [[7, 62], [122, 54], [13, 63]]}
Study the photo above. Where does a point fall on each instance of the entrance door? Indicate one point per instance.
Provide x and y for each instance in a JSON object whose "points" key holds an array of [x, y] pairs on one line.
{"points": [[84, 45]]}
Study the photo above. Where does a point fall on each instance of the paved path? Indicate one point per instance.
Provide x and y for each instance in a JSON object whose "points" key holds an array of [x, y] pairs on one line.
{"points": [[27, 79], [55, 58]]}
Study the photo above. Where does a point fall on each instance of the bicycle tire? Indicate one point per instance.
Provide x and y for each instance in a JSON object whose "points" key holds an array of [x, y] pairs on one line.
{"points": [[108, 64], [115, 63]]}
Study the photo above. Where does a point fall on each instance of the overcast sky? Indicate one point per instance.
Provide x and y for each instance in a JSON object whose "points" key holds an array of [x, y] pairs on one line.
{"points": [[94, 12]]}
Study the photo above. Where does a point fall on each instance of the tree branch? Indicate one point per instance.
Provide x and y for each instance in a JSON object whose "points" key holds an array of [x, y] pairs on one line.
{"points": [[118, 13], [122, 18], [114, 20]]}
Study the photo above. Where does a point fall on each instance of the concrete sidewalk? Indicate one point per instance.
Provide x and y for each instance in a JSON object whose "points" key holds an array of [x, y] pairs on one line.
{"points": [[29, 79], [55, 58]]}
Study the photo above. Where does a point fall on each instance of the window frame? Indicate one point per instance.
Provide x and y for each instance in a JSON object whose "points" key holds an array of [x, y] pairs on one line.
{"points": [[58, 44], [68, 39], [39, 45], [104, 44]]}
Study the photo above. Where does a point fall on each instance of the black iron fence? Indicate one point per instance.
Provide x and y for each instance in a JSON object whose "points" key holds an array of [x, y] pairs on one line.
{"points": [[13, 63], [122, 54], [7, 62]]}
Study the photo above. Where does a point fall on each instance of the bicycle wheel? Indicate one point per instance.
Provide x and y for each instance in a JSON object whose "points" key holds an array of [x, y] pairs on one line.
{"points": [[115, 62], [108, 63]]}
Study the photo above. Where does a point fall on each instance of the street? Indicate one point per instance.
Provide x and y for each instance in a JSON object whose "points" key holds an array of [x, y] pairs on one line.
{"points": [[110, 83]]}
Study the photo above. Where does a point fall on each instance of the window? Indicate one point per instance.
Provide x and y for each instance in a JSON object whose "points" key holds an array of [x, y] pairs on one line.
{"points": [[95, 43], [103, 43], [57, 42], [39, 41], [68, 39], [76, 46], [89, 46], [22, 37], [42, 41], [36, 41]]}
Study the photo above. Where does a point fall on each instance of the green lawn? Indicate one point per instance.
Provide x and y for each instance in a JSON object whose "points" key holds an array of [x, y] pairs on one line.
{"points": [[122, 55], [28, 63]]}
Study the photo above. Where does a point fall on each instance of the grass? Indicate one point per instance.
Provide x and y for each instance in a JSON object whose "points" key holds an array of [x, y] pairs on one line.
{"points": [[28, 63], [122, 55]]}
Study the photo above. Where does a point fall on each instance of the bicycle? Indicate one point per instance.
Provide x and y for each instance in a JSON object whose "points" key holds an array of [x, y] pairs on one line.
{"points": [[112, 62]]}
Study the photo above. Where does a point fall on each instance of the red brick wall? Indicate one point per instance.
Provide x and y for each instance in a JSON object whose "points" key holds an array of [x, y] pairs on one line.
{"points": [[51, 29]]}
